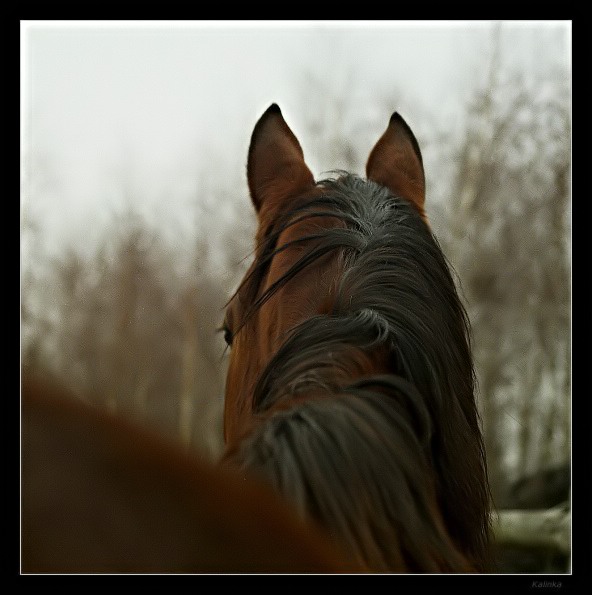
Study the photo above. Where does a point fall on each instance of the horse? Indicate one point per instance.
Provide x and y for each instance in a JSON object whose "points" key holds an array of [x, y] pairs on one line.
{"points": [[546, 488], [351, 387], [100, 494]]}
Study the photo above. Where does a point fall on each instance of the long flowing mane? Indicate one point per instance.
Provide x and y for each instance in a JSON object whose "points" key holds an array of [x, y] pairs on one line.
{"points": [[362, 453]]}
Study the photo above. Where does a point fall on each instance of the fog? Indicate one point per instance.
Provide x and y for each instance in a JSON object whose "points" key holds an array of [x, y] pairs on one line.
{"points": [[136, 224]]}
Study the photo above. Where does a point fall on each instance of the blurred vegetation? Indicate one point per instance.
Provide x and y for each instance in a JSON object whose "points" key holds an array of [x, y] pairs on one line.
{"points": [[133, 324], [507, 233]]}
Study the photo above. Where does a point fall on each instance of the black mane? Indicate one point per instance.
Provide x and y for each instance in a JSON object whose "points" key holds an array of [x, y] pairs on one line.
{"points": [[386, 442]]}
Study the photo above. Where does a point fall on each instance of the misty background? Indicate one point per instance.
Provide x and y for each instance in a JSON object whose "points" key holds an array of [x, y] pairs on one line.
{"points": [[136, 224]]}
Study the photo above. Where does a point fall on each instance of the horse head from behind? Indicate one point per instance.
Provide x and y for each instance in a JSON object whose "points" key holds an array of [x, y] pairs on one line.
{"points": [[350, 385]]}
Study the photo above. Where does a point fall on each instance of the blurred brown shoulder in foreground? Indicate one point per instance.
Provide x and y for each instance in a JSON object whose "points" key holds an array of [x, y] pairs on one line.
{"points": [[102, 495]]}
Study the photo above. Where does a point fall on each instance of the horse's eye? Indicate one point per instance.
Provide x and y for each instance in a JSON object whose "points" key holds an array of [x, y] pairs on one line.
{"points": [[227, 335]]}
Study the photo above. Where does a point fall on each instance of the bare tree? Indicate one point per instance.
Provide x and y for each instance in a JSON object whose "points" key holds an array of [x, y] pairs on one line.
{"points": [[508, 222]]}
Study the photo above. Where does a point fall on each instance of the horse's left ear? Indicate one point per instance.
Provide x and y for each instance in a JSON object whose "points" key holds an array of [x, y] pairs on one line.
{"points": [[396, 162], [275, 166]]}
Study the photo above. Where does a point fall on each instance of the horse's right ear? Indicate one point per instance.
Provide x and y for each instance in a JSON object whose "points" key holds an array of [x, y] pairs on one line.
{"points": [[275, 166], [396, 162]]}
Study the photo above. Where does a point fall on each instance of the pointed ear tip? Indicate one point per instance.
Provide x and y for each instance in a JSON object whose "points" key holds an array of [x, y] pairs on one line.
{"points": [[396, 117], [269, 114]]}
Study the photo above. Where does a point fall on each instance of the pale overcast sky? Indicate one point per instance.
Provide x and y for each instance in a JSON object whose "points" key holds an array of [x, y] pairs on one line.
{"points": [[150, 104]]}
